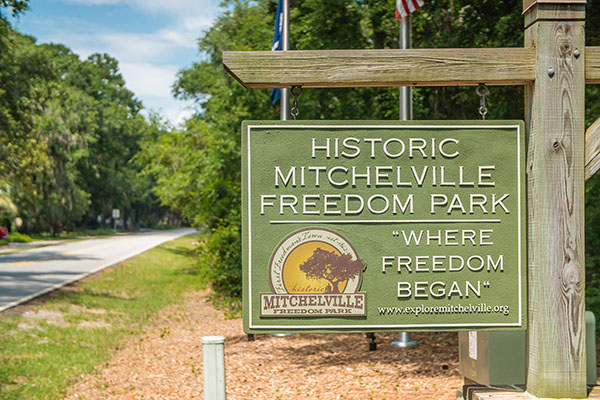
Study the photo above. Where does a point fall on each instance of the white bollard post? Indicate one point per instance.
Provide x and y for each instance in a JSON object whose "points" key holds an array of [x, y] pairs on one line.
{"points": [[213, 354]]}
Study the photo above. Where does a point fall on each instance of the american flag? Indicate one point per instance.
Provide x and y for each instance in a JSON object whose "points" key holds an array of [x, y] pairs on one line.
{"points": [[405, 7]]}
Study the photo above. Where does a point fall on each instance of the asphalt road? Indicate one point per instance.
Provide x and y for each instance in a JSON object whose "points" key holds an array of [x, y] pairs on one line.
{"points": [[31, 273]]}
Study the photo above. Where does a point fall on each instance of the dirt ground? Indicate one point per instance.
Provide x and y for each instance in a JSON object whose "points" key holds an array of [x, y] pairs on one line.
{"points": [[166, 363]]}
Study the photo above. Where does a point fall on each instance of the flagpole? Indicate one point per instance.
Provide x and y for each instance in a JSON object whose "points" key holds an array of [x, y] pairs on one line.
{"points": [[284, 102], [405, 91], [405, 107]]}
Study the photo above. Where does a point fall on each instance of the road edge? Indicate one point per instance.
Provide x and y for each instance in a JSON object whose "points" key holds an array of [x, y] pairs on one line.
{"points": [[88, 273]]}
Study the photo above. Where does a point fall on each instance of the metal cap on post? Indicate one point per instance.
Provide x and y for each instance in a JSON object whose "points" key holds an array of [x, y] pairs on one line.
{"points": [[213, 353]]}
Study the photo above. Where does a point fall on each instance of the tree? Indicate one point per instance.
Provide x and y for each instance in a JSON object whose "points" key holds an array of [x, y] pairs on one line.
{"points": [[58, 201], [331, 266], [108, 171], [69, 131], [205, 185], [24, 71], [15, 7]]}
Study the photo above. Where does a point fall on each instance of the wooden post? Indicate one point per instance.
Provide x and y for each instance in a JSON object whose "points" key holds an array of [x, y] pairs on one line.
{"points": [[554, 116]]}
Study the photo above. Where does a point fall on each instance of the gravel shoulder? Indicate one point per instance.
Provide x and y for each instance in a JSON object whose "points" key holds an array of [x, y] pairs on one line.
{"points": [[166, 363]]}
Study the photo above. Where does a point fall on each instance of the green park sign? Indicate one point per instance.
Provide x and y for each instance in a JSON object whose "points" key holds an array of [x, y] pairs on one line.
{"points": [[383, 225]]}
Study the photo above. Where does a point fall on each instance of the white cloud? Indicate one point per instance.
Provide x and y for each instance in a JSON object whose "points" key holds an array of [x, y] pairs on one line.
{"points": [[182, 9], [148, 61], [149, 79], [174, 111], [156, 47], [134, 47], [94, 2], [152, 84], [197, 23]]}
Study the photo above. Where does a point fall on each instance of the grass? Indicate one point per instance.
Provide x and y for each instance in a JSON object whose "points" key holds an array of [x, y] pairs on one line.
{"points": [[75, 234], [91, 232], [76, 330]]}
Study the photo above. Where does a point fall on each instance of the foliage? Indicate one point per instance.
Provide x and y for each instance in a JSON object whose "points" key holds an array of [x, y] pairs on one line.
{"points": [[332, 267], [16, 237], [22, 73], [592, 244], [70, 129], [220, 259], [192, 168], [592, 187], [197, 167], [16, 7]]}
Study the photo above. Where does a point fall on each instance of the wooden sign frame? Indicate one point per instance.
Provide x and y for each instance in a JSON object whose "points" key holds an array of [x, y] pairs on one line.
{"points": [[393, 198]]}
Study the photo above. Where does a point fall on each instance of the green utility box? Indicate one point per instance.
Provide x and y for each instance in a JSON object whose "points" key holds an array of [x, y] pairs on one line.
{"points": [[498, 357]]}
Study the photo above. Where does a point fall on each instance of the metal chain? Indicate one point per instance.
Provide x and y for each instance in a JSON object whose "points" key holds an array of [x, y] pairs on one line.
{"points": [[296, 92], [482, 91]]}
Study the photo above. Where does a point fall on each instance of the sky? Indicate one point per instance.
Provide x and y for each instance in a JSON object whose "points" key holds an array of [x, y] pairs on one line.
{"points": [[151, 39]]}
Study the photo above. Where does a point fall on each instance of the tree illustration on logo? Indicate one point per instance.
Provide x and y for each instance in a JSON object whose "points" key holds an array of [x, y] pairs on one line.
{"points": [[328, 265]]}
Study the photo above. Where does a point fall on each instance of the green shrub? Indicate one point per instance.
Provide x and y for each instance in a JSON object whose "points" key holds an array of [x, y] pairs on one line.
{"points": [[17, 237], [592, 245], [221, 259], [3, 242]]}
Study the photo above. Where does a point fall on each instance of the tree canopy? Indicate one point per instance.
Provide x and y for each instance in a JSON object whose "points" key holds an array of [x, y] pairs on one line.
{"points": [[331, 266], [70, 129], [204, 185]]}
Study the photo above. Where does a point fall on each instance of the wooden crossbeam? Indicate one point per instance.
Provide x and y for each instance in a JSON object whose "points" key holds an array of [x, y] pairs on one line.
{"points": [[360, 68], [412, 67], [592, 149], [592, 65]]}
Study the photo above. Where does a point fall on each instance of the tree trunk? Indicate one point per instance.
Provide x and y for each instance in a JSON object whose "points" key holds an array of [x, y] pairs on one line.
{"points": [[334, 287]]}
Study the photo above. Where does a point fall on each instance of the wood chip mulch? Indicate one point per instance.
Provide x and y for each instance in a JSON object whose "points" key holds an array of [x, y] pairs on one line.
{"points": [[166, 363]]}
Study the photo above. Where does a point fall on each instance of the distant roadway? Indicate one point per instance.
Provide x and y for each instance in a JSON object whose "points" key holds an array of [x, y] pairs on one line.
{"points": [[31, 273]]}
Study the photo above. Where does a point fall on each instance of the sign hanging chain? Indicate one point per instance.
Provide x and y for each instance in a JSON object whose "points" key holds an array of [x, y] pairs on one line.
{"points": [[296, 92], [482, 91]]}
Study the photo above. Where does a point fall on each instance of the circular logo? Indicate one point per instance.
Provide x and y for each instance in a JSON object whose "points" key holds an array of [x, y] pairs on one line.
{"points": [[315, 260]]}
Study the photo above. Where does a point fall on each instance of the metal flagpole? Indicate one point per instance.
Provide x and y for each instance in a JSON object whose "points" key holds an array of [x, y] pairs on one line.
{"points": [[405, 114], [405, 91], [284, 102]]}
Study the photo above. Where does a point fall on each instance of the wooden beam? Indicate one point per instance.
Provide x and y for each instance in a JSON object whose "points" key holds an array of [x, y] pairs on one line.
{"points": [[554, 120], [413, 67], [592, 149], [592, 65], [550, 11], [527, 4], [360, 68]]}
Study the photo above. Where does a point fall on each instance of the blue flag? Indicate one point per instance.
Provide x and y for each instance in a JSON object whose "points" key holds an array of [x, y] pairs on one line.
{"points": [[277, 43]]}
